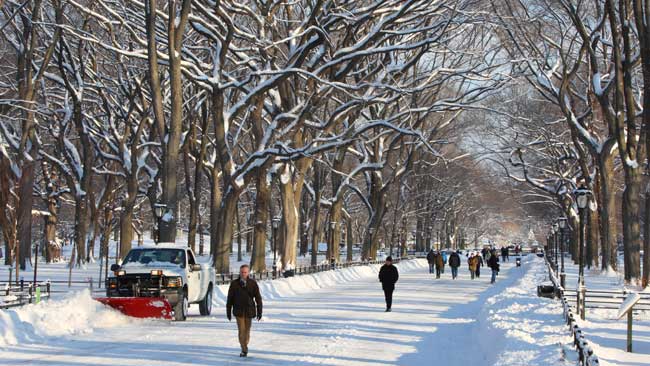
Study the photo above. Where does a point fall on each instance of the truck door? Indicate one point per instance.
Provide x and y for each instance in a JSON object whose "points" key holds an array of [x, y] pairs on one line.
{"points": [[193, 279]]}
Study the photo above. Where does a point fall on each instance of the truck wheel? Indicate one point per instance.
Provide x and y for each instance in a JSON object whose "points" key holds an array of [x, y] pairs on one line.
{"points": [[205, 306], [180, 310]]}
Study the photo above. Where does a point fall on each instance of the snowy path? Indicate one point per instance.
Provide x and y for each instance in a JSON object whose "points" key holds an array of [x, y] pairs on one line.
{"points": [[433, 320]]}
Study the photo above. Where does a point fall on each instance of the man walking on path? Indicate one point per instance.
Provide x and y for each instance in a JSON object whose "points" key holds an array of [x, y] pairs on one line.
{"points": [[245, 301], [431, 256], [493, 263], [388, 276], [439, 264], [454, 263], [479, 264]]}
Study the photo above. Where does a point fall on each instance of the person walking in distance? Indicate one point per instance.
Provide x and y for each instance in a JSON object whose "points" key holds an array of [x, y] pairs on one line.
{"points": [[439, 264], [388, 276], [472, 262], [454, 263], [493, 263], [245, 302], [430, 259], [444, 261], [479, 264]]}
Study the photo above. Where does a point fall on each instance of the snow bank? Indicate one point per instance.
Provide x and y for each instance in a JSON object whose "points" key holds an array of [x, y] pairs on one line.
{"points": [[528, 330], [76, 314], [307, 283]]}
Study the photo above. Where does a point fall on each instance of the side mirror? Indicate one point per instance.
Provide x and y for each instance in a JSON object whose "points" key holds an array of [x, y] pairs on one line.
{"points": [[115, 267], [195, 267]]}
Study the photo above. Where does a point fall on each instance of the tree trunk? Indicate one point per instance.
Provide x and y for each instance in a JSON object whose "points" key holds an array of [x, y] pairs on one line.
{"points": [[225, 231], [261, 219], [316, 222], [336, 217], [52, 249], [80, 228], [631, 228], [24, 213], [646, 238], [305, 208], [349, 241], [215, 204], [592, 239], [607, 207], [290, 219], [126, 231]]}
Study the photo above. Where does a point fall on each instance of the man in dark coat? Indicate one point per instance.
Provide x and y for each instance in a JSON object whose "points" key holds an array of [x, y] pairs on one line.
{"points": [[388, 276], [454, 263], [493, 263], [245, 301], [431, 256]]}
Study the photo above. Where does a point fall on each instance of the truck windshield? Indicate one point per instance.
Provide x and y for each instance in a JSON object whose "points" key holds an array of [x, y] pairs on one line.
{"points": [[155, 257]]}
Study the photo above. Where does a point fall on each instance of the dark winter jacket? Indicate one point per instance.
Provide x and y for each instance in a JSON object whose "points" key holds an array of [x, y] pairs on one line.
{"points": [[493, 263], [244, 300], [454, 260], [431, 257], [388, 275]]}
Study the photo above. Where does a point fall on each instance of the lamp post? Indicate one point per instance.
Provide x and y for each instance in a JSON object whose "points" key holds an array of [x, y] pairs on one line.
{"points": [[275, 224], [562, 223], [159, 210], [371, 232], [582, 197], [555, 230]]}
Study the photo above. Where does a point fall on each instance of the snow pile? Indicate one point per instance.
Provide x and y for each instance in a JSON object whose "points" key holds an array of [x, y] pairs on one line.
{"points": [[292, 286], [528, 329], [76, 314]]}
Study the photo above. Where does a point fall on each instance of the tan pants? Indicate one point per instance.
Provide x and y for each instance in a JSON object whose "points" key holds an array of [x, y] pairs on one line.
{"points": [[244, 327]]}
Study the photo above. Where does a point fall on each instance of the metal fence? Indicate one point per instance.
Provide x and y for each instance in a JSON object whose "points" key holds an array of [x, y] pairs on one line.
{"points": [[586, 356], [23, 293], [223, 279]]}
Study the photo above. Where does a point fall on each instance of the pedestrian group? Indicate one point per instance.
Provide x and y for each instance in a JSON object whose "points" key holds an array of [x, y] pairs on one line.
{"points": [[245, 301]]}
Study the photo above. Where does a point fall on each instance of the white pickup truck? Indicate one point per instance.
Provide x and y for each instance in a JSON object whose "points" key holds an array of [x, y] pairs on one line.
{"points": [[165, 270]]}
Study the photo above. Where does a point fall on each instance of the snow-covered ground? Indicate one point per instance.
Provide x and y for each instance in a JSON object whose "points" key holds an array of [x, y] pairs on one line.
{"points": [[331, 318], [602, 329]]}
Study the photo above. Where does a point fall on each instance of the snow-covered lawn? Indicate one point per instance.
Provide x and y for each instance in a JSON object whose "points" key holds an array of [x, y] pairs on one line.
{"points": [[331, 318], [602, 329]]}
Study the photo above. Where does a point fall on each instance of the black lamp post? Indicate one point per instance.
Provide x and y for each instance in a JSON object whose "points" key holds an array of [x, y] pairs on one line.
{"points": [[275, 224], [582, 197], [371, 232], [562, 223], [159, 210], [555, 246]]}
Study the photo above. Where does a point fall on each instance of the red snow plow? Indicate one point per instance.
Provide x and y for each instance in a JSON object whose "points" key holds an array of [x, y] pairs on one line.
{"points": [[140, 307]]}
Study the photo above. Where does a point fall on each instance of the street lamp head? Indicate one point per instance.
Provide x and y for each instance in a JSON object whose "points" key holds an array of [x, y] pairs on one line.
{"points": [[371, 230], [159, 209], [582, 195], [555, 227], [562, 221], [276, 222]]}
